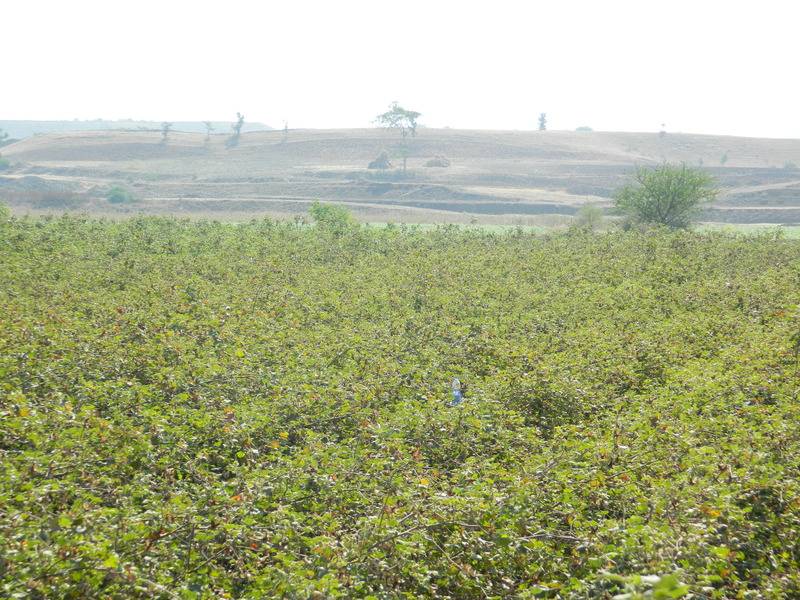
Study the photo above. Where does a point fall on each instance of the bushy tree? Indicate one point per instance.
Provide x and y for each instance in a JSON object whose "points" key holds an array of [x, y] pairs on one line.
{"points": [[669, 195], [402, 120]]}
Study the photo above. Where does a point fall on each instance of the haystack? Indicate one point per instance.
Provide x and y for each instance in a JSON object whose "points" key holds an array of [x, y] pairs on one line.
{"points": [[382, 162], [438, 161]]}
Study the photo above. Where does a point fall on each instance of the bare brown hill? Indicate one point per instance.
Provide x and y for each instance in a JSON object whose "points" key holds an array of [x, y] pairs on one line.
{"points": [[508, 177]]}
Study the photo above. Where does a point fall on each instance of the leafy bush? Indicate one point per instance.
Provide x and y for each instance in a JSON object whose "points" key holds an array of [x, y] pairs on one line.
{"points": [[119, 194], [667, 195], [331, 217], [590, 216]]}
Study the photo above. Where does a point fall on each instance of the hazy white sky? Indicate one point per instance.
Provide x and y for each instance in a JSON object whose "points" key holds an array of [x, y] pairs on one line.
{"points": [[697, 66]]}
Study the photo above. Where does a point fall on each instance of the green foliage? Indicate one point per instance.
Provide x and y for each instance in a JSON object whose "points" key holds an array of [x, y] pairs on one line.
{"points": [[331, 217], [120, 194], [5, 213], [650, 586], [202, 410], [668, 195]]}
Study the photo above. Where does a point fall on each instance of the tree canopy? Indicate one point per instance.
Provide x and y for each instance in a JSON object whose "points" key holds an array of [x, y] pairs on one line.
{"points": [[405, 121], [669, 195]]}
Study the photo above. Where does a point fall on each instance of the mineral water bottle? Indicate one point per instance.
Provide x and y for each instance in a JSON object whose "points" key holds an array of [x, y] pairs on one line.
{"points": [[456, 385]]}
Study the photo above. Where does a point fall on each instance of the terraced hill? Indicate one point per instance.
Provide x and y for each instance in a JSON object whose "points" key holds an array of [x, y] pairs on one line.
{"points": [[505, 177]]}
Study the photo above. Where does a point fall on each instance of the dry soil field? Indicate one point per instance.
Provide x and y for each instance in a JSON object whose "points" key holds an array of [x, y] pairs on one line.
{"points": [[494, 177]]}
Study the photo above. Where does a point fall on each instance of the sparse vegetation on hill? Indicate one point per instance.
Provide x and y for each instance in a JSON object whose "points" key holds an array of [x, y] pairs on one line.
{"points": [[511, 178], [21, 129]]}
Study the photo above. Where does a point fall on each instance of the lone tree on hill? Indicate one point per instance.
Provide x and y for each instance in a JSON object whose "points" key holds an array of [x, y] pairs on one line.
{"points": [[669, 195], [237, 131], [543, 122], [166, 127], [402, 120]]}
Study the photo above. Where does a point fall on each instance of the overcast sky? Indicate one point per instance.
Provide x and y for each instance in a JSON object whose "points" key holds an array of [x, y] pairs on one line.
{"points": [[696, 66]]}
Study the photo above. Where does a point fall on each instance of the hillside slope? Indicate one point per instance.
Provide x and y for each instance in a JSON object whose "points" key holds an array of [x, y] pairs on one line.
{"points": [[495, 176]]}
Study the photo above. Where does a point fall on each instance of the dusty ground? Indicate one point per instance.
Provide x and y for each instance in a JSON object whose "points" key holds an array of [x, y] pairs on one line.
{"points": [[495, 177]]}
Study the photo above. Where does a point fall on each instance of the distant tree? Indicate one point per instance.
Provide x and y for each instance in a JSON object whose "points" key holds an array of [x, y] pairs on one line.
{"points": [[584, 128], [723, 160], [3, 135], [237, 131], [404, 121], [166, 126], [285, 130], [542, 121], [669, 195], [209, 129]]}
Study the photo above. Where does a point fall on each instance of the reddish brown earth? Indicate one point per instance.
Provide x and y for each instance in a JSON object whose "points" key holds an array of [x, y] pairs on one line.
{"points": [[501, 177]]}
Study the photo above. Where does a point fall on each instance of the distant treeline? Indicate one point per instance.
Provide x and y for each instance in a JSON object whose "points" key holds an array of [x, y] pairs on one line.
{"points": [[23, 129]]}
